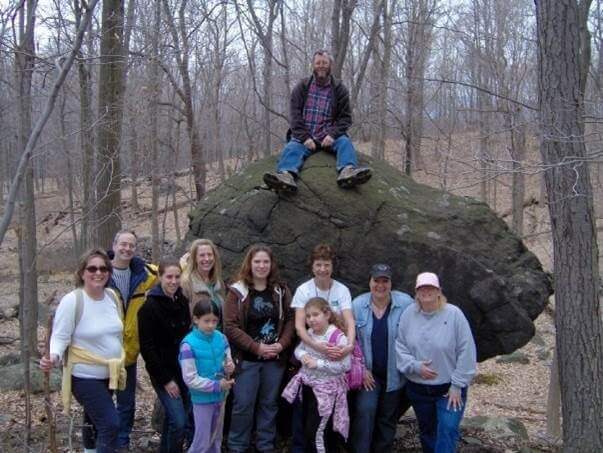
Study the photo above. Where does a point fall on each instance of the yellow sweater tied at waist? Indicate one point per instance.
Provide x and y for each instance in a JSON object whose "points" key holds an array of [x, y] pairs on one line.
{"points": [[117, 371]]}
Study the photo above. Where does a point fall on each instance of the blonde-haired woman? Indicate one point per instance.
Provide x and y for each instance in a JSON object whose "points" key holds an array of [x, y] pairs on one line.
{"points": [[202, 273], [436, 352]]}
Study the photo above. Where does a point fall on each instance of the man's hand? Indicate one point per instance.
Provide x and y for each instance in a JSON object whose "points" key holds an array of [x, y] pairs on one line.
{"points": [[309, 143], [327, 142]]}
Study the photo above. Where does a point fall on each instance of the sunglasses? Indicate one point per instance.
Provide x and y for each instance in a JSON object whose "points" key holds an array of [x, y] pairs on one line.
{"points": [[95, 269]]}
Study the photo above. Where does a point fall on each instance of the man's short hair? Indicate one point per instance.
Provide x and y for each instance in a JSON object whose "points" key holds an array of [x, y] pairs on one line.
{"points": [[324, 53], [120, 232]]}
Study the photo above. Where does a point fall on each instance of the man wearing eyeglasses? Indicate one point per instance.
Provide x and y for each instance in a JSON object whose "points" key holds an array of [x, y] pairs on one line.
{"points": [[132, 278]]}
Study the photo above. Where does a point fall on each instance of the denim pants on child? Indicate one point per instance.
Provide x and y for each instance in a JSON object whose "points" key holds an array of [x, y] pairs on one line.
{"points": [[438, 425]]}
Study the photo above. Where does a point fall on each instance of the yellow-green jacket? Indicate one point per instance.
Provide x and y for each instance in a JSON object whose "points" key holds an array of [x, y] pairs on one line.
{"points": [[143, 277]]}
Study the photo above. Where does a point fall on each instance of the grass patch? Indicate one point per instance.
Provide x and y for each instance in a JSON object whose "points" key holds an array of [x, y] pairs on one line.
{"points": [[487, 379]]}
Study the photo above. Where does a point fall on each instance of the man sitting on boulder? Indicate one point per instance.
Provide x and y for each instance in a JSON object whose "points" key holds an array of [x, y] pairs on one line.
{"points": [[320, 116]]}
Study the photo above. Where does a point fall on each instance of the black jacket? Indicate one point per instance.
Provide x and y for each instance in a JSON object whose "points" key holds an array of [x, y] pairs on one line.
{"points": [[341, 111], [162, 324]]}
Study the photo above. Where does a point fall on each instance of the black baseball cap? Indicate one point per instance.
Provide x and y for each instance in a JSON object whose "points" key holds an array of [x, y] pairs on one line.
{"points": [[381, 270]]}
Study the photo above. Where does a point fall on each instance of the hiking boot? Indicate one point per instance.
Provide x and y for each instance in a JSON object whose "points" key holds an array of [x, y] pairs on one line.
{"points": [[281, 181], [353, 176]]}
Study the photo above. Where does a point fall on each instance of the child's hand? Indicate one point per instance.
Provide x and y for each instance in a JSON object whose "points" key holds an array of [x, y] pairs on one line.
{"points": [[226, 384], [310, 362], [229, 367]]}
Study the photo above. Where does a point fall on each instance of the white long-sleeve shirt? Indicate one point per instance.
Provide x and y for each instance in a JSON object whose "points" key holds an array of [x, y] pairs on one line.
{"points": [[326, 368], [442, 336], [100, 331]]}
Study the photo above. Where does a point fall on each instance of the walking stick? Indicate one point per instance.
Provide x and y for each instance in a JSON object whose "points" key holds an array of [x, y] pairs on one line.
{"points": [[52, 428]]}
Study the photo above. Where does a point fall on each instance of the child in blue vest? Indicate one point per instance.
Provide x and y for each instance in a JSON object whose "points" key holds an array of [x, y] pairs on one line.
{"points": [[206, 366]]}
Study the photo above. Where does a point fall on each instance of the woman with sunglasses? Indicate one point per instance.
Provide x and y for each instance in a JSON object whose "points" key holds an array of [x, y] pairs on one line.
{"points": [[87, 335]]}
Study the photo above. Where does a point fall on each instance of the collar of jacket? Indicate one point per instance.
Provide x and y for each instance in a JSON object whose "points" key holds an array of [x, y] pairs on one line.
{"points": [[242, 291], [395, 299]]}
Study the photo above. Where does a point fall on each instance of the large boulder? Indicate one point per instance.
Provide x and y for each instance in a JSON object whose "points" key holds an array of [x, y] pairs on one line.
{"points": [[484, 268]]}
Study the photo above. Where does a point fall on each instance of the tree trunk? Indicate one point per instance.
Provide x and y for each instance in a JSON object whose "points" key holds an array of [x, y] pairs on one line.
{"points": [[180, 37], [579, 341], [155, 93], [86, 142], [517, 150], [70, 177], [382, 79], [134, 162], [110, 112], [341, 18], [417, 54], [27, 244]]}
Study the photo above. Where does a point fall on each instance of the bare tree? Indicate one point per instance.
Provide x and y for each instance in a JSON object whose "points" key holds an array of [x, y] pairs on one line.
{"points": [[110, 112], [27, 238], [563, 62], [419, 34], [341, 19]]}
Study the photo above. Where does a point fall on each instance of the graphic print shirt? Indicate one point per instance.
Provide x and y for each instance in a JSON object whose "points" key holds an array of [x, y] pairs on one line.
{"points": [[262, 320]]}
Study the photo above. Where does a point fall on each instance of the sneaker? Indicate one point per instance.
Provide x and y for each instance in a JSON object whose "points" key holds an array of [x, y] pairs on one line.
{"points": [[281, 181], [353, 176]]}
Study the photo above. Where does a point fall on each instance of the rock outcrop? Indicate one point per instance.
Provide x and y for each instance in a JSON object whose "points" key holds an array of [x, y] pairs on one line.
{"points": [[484, 268]]}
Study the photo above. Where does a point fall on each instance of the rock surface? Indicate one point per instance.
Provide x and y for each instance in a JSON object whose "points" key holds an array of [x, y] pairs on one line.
{"points": [[11, 378], [484, 268], [499, 427]]}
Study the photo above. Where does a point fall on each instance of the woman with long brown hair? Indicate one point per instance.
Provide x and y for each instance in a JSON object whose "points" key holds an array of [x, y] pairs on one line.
{"points": [[258, 322]]}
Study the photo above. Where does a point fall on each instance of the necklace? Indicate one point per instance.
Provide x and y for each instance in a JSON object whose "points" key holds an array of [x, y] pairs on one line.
{"points": [[328, 292]]}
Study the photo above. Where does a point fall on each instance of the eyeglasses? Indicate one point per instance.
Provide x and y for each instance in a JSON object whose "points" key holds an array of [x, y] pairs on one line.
{"points": [[95, 269]]}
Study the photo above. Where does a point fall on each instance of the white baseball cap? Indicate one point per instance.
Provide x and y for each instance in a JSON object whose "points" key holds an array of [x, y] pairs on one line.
{"points": [[427, 279]]}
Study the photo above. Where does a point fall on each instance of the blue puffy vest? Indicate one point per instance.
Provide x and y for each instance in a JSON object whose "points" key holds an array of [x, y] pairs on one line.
{"points": [[210, 352]]}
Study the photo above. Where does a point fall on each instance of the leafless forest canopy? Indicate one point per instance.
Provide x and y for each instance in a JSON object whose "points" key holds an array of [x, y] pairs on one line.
{"points": [[435, 86]]}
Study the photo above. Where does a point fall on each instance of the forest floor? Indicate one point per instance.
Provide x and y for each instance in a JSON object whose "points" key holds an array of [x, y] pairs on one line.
{"points": [[501, 389]]}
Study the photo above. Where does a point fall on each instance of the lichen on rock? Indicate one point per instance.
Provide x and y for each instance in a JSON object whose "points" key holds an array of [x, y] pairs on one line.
{"points": [[484, 268]]}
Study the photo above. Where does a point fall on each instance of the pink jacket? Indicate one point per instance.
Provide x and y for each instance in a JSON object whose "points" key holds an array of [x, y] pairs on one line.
{"points": [[330, 396]]}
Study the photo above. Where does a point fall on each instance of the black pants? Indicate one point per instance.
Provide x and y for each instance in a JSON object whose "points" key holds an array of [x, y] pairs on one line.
{"points": [[312, 421]]}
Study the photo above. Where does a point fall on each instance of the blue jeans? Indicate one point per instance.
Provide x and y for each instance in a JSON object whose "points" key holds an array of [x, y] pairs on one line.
{"points": [[295, 153], [438, 426], [375, 418], [99, 412], [126, 406], [255, 398], [177, 416]]}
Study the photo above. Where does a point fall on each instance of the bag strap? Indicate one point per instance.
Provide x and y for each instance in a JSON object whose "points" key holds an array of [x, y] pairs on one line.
{"points": [[334, 338], [79, 305]]}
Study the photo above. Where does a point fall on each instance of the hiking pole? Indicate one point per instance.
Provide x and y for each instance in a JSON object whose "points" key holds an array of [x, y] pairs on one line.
{"points": [[52, 438]]}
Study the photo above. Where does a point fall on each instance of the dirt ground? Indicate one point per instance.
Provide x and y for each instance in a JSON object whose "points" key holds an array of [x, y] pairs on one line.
{"points": [[511, 390]]}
